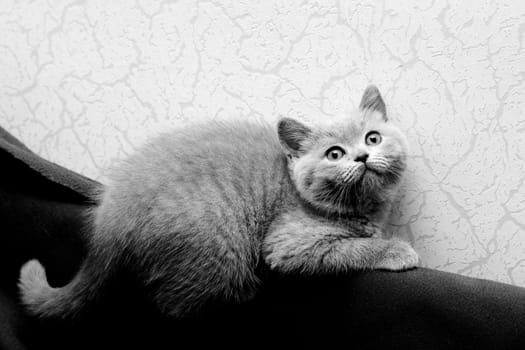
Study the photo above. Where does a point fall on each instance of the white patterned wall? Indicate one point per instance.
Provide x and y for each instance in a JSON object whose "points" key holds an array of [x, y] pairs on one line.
{"points": [[83, 83]]}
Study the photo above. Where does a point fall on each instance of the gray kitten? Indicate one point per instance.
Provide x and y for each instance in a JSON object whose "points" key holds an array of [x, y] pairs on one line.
{"points": [[194, 211]]}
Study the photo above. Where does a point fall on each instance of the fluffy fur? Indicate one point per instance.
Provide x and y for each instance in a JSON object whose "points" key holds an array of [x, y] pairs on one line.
{"points": [[194, 212]]}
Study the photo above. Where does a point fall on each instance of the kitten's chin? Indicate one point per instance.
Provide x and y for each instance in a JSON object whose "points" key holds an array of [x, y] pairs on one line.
{"points": [[371, 182]]}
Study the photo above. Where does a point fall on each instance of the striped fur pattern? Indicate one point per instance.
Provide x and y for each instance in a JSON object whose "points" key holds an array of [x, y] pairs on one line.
{"points": [[196, 211]]}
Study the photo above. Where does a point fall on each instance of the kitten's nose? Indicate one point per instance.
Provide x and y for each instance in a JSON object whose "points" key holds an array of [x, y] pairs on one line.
{"points": [[361, 157]]}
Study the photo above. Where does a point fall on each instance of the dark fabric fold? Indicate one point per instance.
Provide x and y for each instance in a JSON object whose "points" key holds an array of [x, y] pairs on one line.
{"points": [[53, 172]]}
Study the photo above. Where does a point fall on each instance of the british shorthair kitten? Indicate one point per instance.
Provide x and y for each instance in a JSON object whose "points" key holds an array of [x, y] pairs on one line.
{"points": [[195, 211]]}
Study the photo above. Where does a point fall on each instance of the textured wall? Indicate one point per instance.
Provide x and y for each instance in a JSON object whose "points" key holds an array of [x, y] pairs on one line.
{"points": [[83, 83]]}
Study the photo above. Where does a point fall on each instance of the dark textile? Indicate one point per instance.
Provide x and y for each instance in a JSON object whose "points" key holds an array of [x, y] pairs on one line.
{"points": [[41, 215]]}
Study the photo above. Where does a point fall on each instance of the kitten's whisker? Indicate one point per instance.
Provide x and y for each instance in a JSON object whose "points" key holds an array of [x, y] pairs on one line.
{"points": [[348, 173], [379, 161], [351, 174]]}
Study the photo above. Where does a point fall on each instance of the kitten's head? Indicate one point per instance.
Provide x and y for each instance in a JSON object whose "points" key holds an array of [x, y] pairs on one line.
{"points": [[350, 164]]}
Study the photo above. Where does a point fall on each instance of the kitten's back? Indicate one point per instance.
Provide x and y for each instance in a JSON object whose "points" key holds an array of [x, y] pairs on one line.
{"points": [[218, 168]]}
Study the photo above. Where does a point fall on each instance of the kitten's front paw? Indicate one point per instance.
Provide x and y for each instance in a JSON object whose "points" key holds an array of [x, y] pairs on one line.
{"points": [[400, 256]]}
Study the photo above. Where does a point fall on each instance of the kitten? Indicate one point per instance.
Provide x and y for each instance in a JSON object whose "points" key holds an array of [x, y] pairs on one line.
{"points": [[194, 212]]}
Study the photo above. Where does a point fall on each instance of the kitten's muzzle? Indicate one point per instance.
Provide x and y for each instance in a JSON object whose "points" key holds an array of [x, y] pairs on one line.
{"points": [[377, 166]]}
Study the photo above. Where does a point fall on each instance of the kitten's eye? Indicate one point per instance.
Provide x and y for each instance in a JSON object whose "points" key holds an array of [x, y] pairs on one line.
{"points": [[373, 138], [335, 153]]}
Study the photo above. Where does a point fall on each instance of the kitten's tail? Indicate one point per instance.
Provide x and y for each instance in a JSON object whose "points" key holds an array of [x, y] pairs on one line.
{"points": [[43, 300]]}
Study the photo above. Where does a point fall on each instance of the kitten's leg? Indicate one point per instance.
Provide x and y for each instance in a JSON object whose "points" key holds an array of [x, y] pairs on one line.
{"points": [[305, 244]]}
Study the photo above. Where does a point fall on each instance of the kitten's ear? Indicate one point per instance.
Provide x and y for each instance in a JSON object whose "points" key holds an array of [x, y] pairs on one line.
{"points": [[373, 101], [292, 135]]}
